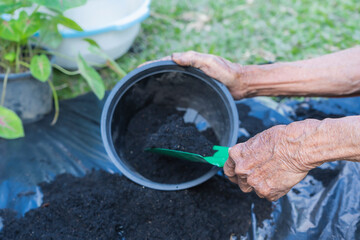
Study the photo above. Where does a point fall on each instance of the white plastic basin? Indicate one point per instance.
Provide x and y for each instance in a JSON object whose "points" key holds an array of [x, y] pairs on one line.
{"points": [[113, 24]]}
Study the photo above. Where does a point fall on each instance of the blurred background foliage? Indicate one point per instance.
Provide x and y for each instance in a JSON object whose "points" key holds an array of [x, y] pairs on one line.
{"points": [[247, 31]]}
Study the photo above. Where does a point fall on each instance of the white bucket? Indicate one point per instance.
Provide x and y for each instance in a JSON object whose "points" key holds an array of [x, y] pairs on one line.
{"points": [[113, 24]]}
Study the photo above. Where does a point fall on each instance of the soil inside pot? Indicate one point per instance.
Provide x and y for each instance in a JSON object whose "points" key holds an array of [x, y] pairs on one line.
{"points": [[108, 206], [175, 134], [164, 127]]}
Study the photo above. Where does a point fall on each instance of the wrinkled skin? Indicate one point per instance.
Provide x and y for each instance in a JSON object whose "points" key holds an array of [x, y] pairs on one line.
{"points": [[268, 172], [273, 161], [269, 163], [216, 67]]}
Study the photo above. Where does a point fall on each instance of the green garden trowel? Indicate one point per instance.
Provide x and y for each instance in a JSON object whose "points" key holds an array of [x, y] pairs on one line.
{"points": [[218, 159]]}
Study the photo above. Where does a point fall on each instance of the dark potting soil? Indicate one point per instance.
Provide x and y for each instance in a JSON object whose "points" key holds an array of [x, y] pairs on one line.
{"points": [[324, 175], [108, 206], [252, 124], [160, 126], [175, 134], [305, 110]]}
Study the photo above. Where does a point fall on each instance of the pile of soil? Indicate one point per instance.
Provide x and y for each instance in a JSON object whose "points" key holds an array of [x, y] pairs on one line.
{"points": [[108, 206], [164, 127]]}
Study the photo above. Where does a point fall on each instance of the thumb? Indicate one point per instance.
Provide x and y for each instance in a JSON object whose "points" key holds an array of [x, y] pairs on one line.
{"points": [[181, 59]]}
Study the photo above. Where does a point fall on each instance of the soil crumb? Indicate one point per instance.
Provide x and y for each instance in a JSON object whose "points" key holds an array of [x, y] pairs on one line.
{"points": [[296, 191], [160, 126], [324, 175], [108, 206]]}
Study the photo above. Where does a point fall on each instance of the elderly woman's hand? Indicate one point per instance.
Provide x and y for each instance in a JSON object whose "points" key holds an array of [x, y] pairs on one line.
{"points": [[230, 74], [273, 161]]}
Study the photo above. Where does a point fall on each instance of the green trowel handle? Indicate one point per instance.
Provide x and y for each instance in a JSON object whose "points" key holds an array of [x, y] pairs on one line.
{"points": [[193, 157], [219, 158]]}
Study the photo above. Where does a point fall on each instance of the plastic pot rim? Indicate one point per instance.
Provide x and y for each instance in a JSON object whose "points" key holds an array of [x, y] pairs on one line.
{"points": [[114, 98]]}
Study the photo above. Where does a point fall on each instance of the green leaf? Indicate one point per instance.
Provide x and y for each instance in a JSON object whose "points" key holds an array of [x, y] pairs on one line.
{"points": [[8, 31], [111, 63], [10, 7], [10, 56], [49, 34], [91, 42], [40, 67], [10, 124], [22, 28], [6, 2], [28, 25], [67, 22], [97, 51], [60, 5], [92, 77]]}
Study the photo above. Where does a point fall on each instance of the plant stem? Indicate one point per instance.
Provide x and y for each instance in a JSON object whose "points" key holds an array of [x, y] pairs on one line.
{"points": [[25, 64], [116, 68], [63, 70], [39, 38], [30, 50], [56, 103], [17, 66], [4, 87]]}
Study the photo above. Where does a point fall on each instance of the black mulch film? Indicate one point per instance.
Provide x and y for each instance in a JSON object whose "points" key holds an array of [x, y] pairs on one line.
{"points": [[57, 183]]}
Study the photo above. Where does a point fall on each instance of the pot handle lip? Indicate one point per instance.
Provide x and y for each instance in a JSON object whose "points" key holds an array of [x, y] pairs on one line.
{"points": [[136, 17]]}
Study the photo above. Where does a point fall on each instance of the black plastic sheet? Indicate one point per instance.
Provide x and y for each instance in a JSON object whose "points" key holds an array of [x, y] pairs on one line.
{"points": [[312, 210], [73, 146]]}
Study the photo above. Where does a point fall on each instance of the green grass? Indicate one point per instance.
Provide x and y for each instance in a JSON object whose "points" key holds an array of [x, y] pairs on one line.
{"points": [[248, 32]]}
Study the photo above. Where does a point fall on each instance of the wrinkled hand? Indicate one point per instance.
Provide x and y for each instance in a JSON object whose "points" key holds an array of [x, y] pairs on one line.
{"points": [[230, 74], [270, 163]]}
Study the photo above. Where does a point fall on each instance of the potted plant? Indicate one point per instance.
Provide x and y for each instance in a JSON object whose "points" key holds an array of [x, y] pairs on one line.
{"points": [[26, 65]]}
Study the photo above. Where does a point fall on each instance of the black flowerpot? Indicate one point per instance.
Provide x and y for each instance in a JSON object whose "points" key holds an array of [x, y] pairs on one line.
{"points": [[168, 84], [27, 96]]}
